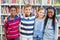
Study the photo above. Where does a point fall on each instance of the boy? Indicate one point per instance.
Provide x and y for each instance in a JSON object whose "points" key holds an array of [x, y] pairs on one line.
{"points": [[11, 26], [27, 23]]}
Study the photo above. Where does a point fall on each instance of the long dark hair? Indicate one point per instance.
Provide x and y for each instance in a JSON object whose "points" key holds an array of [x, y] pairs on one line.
{"points": [[53, 17]]}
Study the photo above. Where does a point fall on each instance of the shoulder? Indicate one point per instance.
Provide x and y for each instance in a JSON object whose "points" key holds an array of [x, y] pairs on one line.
{"points": [[19, 15], [8, 18], [56, 21]]}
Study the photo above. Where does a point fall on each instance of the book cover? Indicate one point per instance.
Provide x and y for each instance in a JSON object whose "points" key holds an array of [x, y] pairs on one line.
{"points": [[7, 10], [0, 1], [13, 1], [38, 1], [31, 2], [6, 1], [3, 1], [47, 2], [26, 1], [17, 1], [34, 1], [10, 1]]}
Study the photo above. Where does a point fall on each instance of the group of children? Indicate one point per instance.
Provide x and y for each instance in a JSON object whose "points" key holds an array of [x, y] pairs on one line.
{"points": [[31, 26]]}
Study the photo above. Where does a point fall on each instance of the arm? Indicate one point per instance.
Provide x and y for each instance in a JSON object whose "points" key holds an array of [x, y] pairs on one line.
{"points": [[19, 15], [5, 28], [56, 30], [5, 20]]}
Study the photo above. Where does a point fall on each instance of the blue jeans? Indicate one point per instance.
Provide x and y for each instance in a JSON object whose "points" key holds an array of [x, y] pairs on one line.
{"points": [[37, 38], [14, 39]]}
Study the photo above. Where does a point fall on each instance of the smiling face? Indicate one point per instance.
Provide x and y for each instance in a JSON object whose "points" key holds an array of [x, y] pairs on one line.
{"points": [[50, 13], [41, 13], [13, 11], [28, 11]]}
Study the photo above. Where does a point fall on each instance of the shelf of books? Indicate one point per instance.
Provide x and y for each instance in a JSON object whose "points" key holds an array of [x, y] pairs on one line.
{"points": [[5, 4]]}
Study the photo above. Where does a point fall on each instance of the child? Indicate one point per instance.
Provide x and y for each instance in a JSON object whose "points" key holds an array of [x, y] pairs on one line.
{"points": [[39, 25], [11, 26], [50, 25], [27, 23]]}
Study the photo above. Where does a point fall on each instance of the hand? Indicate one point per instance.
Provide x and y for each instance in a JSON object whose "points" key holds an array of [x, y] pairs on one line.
{"points": [[5, 20]]}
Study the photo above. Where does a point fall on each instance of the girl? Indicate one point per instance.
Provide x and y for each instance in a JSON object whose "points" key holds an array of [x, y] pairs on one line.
{"points": [[39, 24], [50, 25]]}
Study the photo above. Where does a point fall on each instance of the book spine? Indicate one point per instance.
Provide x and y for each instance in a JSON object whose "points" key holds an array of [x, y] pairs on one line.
{"points": [[17, 1], [7, 10], [6, 1], [13, 1], [10, 1], [3, 1], [0, 1]]}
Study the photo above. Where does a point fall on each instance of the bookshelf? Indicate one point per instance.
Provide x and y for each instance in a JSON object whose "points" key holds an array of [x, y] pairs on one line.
{"points": [[4, 9]]}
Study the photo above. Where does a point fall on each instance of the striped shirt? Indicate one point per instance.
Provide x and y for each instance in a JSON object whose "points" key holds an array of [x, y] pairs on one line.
{"points": [[27, 26], [11, 27]]}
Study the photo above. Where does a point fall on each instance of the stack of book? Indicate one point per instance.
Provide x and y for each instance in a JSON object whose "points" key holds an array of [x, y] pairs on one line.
{"points": [[5, 9], [47, 2], [10, 1], [32, 2]]}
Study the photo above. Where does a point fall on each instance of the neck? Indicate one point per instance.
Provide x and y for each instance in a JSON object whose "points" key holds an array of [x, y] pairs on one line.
{"points": [[11, 16], [50, 17], [27, 15], [39, 18]]}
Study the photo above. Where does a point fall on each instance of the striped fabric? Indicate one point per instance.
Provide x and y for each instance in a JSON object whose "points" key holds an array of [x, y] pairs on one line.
{"points": [[27, 26], [11, 27]]}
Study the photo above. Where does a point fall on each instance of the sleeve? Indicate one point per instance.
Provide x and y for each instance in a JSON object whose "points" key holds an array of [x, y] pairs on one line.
{"points": [[19, 15], [5, 27], [56, 31]]}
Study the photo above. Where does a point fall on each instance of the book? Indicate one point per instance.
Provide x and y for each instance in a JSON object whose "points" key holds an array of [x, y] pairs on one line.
{"points": [[47, 2], [2, 18], [7, 9], [0, 1], [3, 1], [34, 1], [10, 1], [38, 1], [13, 1], [7, 1], [25, 1], [58, 11], [4, 10], [31, 2], [17, 1]]}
